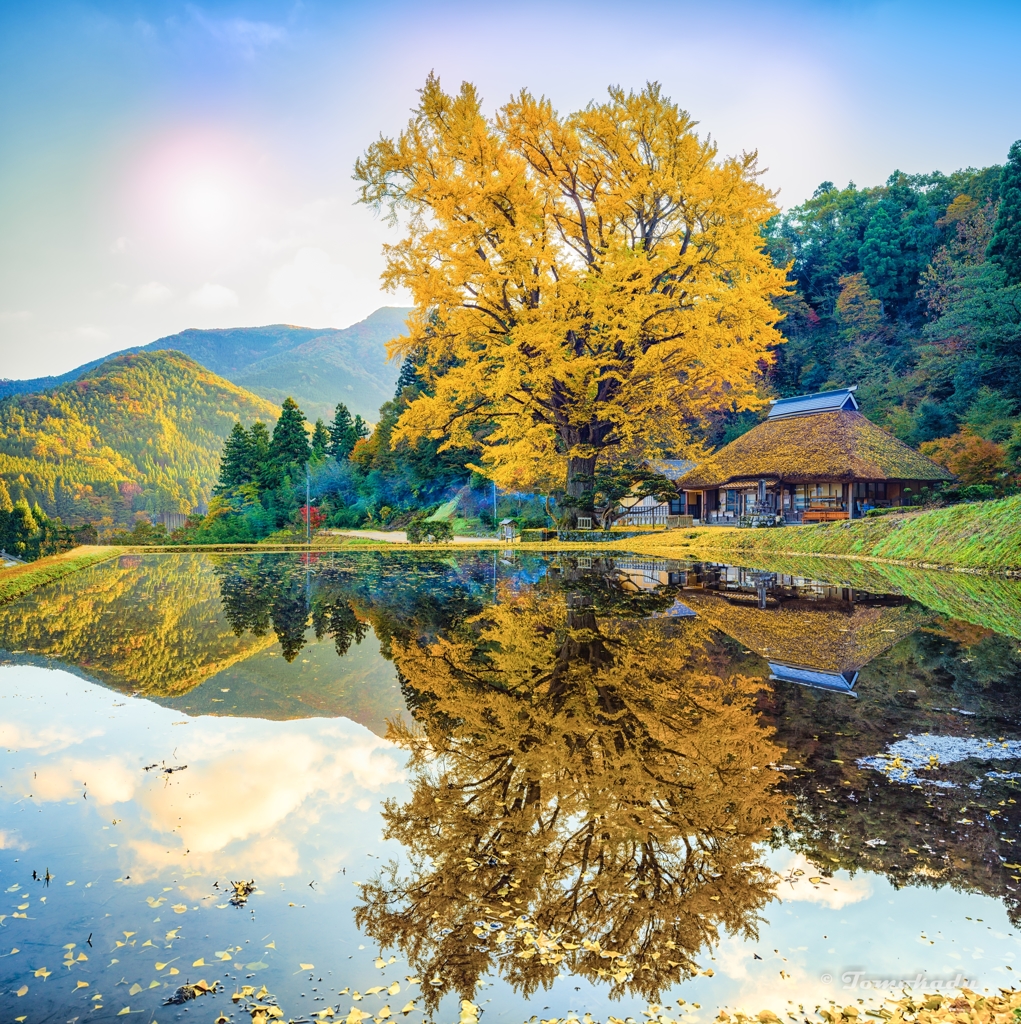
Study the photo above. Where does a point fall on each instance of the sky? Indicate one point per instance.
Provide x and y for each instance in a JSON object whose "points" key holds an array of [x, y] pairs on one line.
{"points": [[166, 165]]}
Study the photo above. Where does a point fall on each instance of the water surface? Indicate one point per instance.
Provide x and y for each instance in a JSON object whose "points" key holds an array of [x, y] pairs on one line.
{"points": [[544, 784]]}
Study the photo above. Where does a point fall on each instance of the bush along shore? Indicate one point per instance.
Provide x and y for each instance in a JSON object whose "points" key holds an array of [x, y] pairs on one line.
{"points": [[985, 536]]}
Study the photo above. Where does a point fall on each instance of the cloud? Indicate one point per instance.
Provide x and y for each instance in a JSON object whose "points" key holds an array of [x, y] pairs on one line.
{"points": [[247, 37], [87, 332], [213, 296], [242, 812], [233, 809], [47, 739], [9, 841], [107, 781], [835, 892], [152, 293], [119, 245], [14, 315], [310, 283]]}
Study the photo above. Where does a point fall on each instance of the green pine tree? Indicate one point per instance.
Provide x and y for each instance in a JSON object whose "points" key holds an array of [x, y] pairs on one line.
{"points": [[236, 461], [6, 517], [1005, 245], [320, 441], [290, 441], [266, 474], [342, 433], [881, 255], [23, 529], [361, 429]]}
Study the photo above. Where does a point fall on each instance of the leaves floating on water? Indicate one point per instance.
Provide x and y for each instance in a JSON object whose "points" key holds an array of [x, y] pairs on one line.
{"points": [[185, 993], [261, 1006], [242, 890], [968, 1006]]}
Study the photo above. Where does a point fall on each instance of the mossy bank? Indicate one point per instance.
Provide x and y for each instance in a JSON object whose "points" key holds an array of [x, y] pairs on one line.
{"points": [[19, 579], [985, 537]]}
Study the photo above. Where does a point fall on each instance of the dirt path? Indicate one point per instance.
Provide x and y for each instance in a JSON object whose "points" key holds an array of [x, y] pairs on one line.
{"points": [[392, 536]]}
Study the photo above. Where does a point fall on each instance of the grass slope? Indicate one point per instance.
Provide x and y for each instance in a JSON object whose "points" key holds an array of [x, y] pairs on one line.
{"points": [[143, 430], [20, 579], [984, 536]]}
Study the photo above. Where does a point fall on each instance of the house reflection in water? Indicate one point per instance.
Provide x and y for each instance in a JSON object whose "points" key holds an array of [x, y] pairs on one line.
{"points": [[810, 633]]}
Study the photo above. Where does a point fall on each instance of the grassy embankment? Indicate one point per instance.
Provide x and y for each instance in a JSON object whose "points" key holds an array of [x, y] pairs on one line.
{"points": [[19, 579], [983, 537]]}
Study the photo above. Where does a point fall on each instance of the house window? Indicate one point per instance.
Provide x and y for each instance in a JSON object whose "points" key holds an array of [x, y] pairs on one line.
{"points": [[584, 522], [677, 506], [869, 491]]}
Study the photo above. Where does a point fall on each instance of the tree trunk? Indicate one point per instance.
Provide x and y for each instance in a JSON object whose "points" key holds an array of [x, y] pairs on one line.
{"points": [[579, 487]]}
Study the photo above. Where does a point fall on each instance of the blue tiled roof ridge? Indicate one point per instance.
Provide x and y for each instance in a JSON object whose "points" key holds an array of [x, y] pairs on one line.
{"points": [[820, 401]]}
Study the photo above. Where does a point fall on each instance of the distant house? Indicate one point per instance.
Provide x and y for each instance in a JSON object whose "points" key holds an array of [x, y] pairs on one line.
{"points": [[809, 633], [650, 511], [815, 458]]}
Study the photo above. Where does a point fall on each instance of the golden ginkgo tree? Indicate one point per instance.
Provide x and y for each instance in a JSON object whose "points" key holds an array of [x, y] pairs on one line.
{"points": [[587, 288], [589, 795]]}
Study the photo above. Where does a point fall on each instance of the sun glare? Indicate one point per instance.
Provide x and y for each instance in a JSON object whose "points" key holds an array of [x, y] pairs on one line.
{"points": [[195, 189]]}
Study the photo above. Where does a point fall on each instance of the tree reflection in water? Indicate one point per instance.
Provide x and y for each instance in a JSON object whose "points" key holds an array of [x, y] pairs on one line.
{"points": [[589, 790], [257, 594]]}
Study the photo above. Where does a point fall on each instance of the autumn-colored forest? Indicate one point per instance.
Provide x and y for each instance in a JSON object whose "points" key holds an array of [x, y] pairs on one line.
{"points": [[591, 290]]}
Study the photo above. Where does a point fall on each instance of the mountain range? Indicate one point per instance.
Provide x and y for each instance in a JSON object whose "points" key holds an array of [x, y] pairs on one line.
{"points": [[143, 430], [316, 367]]}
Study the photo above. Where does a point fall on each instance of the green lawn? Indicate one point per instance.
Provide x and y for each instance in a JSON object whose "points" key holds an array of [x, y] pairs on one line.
{"points": [[19, 579], [983, 536]]}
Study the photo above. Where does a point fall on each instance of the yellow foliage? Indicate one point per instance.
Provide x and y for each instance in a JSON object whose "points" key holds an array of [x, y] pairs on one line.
{"points": [[585, 286], [588, 795]]}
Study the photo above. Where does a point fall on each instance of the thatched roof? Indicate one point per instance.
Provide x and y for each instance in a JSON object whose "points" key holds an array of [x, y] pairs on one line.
{"points": [[809, 634], [838, 446]]}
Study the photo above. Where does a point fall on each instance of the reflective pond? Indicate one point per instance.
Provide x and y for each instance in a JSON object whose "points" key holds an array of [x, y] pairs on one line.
{"points": [[503, 785]]}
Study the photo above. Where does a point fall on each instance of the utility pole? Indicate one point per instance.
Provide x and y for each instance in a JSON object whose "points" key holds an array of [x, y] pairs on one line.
{"points": [[308, 518], [496, 529]]}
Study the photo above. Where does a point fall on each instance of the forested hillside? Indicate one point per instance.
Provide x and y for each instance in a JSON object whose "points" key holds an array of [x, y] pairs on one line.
{"points": [[317, 367], [140, 431], [901, 289]]}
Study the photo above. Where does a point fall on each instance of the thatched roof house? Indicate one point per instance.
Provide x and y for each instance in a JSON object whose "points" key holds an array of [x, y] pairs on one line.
{"points": [[811, 643], [815, 457]]}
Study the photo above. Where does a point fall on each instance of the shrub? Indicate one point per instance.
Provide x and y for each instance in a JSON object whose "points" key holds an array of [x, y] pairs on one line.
{"points": [[419, 530]]}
